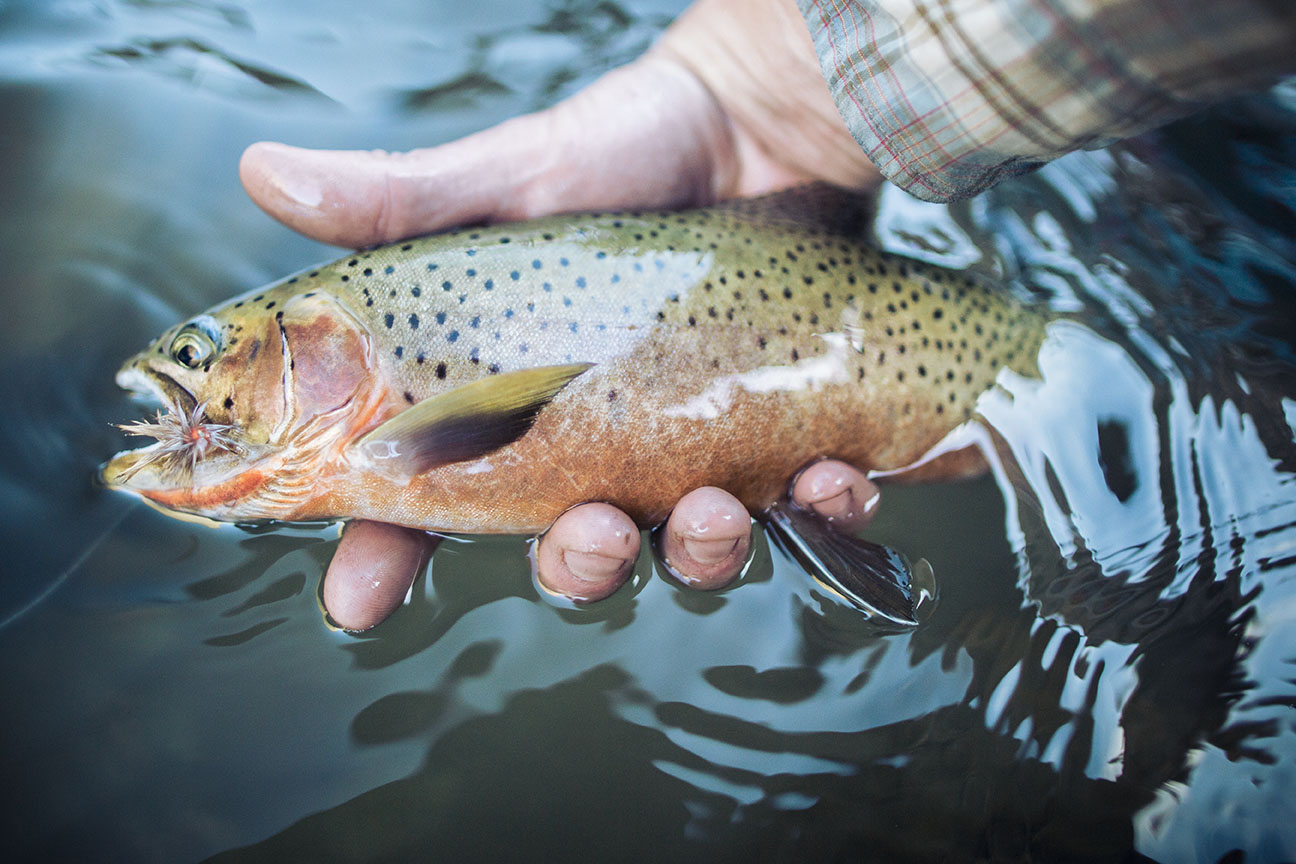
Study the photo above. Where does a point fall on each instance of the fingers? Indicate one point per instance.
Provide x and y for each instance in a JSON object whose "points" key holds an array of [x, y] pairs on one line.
{"points": [[588, 553], [706, 539], [371, 572], [590, 550], [840, 493], [645, 135]]}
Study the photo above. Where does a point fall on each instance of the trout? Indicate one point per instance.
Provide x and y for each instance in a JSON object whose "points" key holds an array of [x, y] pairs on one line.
{"points": [[484, 380]]}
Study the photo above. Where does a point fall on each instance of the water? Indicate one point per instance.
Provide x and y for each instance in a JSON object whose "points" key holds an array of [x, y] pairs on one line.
{"points": [[1107, 673]]}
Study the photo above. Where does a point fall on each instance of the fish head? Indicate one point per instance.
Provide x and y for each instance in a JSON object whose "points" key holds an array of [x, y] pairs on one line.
{"points": [[255, 391]]}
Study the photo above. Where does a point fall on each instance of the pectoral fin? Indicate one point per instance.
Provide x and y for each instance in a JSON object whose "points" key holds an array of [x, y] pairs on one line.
{"points": [[464, 423], [873, 577]]}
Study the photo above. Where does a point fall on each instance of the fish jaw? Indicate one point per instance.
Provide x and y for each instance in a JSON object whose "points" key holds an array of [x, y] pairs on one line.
{"points": [[143, 381], [196, 466], [219, 498]]}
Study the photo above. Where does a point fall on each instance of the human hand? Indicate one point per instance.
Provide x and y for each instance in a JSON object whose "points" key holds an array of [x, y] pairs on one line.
{"points": [[729, 103]]}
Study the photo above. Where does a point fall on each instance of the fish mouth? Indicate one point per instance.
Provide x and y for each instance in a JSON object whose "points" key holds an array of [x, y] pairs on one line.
{"points": [[141, 381], [189, 450]]}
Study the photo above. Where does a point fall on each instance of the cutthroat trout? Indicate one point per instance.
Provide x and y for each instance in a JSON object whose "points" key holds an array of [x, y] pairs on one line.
{"points": [[485, 380]]}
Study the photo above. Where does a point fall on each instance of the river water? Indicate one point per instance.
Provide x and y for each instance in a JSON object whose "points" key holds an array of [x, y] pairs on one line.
{"points": [[1108, 673]]}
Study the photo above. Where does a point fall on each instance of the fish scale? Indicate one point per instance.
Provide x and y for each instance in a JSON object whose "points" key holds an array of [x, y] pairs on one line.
{"points": [[727, 346]]}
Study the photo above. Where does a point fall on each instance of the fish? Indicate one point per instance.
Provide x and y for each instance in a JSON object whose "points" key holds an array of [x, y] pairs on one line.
{"points": [[486, 379]]}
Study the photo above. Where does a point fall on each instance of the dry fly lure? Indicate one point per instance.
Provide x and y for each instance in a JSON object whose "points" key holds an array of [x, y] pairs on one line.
{"points": [[184, 439]]}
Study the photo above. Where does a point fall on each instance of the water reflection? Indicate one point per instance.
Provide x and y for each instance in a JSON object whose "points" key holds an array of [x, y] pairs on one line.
{"points": [[1109, 666]]}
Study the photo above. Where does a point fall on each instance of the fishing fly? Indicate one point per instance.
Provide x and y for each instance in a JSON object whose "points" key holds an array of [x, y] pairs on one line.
{"points": [[184, 439]]}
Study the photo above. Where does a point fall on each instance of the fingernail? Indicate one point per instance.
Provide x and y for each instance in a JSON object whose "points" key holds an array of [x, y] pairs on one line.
{"points": [[293, 174], [709, 551], [590, 567]]}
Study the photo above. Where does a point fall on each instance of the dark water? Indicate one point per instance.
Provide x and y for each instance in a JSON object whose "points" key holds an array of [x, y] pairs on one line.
{"points": [[1109, 671]]}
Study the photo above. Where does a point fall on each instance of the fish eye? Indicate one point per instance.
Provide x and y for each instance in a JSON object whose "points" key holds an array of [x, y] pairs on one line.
{"points": [[195, 344]]}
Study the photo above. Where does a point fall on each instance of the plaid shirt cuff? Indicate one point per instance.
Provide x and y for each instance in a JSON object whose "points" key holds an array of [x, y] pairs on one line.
{"points": [[948, 97]]}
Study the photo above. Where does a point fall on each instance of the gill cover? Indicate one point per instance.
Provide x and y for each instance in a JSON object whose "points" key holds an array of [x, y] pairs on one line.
{"points": [[326, 355]]}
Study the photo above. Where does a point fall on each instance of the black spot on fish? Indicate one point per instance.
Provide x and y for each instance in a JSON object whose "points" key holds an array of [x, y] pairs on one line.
{"points": [[258, 298], [441, 370], [440, 317], [346, 278], [368, 271], [515, 275], [389, 269], [420, 359], [452, 336], [475, 322], [400, 350], [432, 266], [413, 321], [389, 319], [493, 369], [229, 402], [612, 394], [446, 286], [415, 291], [238, 304]]}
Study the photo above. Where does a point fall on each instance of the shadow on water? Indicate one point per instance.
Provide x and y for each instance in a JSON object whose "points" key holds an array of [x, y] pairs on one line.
{"points": [[1106, 675]]}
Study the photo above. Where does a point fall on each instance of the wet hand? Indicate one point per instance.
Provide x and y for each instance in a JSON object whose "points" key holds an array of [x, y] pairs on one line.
{"points": [[590, 551], [729, 103]]}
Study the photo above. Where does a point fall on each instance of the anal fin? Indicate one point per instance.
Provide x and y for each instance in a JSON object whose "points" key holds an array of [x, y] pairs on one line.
{"points": [[874, 578]]}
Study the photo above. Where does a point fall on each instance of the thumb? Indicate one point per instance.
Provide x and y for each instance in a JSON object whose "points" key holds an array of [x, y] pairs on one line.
{"points": [[646, 135]]}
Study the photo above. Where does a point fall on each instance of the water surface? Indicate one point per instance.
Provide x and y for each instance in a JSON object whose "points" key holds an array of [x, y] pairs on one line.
{"points": [[1108, 672]]}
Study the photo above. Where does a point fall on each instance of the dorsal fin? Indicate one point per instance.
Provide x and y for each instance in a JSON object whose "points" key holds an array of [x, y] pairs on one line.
{"points": [[820, 206], [464, 423]]}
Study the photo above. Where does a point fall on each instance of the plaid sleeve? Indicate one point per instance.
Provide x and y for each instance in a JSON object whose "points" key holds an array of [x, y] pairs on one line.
{"points": [[948, 97]]}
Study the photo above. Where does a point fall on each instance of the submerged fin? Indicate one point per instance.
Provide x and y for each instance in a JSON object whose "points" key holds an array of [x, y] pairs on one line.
{"points": [[464, 423], [873, 577]]}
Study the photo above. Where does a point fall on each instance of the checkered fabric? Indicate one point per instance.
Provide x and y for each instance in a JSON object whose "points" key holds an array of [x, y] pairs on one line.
{"points": [[948, 97]]}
